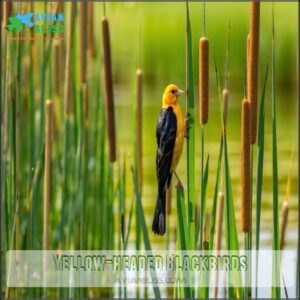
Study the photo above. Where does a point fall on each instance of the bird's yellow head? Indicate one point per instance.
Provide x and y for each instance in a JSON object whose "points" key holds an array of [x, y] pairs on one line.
{"points": [[171, 94]]}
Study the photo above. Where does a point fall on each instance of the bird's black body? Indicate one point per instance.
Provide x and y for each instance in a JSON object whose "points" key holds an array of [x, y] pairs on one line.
{"points": [[165, 137]]}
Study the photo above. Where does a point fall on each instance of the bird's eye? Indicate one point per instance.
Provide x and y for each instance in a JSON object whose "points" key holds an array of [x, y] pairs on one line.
{"points": [[173, 91]]}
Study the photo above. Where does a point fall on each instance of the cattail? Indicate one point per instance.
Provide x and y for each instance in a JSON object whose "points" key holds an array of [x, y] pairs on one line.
{"points": [[253, 66], [248, 65], [139, 129], [245, 167], [110, 112], [47, 176], [219, 222], [91, 37], [68, 76], [225, 97], [203, 79], [83, 39], [284, 220], [248, 48], [7, 11]]}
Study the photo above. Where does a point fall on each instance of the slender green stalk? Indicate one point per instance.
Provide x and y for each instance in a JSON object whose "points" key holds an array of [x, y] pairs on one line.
{"points": [[182, 240], [260, 164], [230, 223], [191, 140], [276, 237], [214, 208], [203, 203], [142, 221]]}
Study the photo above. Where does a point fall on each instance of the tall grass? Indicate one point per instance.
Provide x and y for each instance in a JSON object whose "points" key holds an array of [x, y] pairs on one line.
{"points": [[190, 108], [276, 238], [260, 167]]}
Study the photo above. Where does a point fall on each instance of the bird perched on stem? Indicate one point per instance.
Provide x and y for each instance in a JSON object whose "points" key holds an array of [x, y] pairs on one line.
{"points": [[170, 133]]}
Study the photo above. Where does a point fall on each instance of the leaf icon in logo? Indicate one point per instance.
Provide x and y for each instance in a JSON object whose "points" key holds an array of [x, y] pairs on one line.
{"points": [[15, 23]]}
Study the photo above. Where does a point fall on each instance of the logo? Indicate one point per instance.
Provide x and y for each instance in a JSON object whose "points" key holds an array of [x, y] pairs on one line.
{"points": [[37, 23]]}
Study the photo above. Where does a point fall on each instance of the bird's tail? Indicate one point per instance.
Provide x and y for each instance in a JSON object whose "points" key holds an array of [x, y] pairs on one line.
{"points": [[159, 219]]}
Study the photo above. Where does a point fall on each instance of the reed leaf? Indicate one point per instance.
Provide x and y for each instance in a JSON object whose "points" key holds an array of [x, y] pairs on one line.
{"points": [[276, 236], [142, 222], [190, 107], [260, 165], [216, 190]]}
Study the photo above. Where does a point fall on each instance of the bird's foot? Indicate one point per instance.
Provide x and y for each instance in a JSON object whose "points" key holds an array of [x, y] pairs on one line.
{"points": [[179, 185], [187, 125]]}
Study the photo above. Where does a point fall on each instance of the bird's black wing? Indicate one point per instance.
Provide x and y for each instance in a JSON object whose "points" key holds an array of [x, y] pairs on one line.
{"points": [[165, 137]]}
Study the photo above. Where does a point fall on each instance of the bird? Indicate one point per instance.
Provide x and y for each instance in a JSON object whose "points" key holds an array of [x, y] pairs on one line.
{"points": [[170, 133]]}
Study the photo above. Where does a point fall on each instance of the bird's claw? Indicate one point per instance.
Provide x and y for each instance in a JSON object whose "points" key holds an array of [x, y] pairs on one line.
{"points": [[179, 185]]}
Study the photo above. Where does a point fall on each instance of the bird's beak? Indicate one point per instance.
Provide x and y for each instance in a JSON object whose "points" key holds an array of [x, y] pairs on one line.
{"points": [[179, 92]]}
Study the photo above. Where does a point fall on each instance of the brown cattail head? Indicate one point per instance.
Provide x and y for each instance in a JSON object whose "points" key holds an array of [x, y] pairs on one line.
{"points": [[7, 11], [284, 220], [253, 66], [68, 76], [219, 221], [47, 176], [245, 167], [139, 129], [83, 39], [91, 35], [248, 48], [203, 79], [248, 65], [225, 97], [110, 109]]}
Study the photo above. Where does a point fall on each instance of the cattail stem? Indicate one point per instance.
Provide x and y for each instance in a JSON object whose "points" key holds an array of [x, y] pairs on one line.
{"points": [[68, 77], [253, 66], [203, 79], [110, 112], [83, 39], [47, 176], [284, 220], [218, 242], [245, 167], [139, 129], [225, 98]]}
